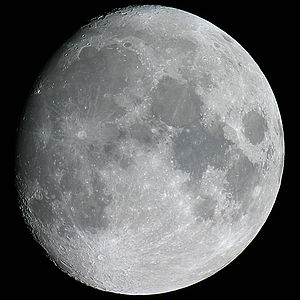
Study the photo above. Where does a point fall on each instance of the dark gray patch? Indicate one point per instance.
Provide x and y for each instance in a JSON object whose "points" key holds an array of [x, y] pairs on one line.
{"points": [[242, 178], [179, 45], [85, 209], [64, 224], [227, 38], [205, 208], [106, 108], [65, 231], [88, 211], [88, 52], [70, 180], [175, 103], [125, 162], [255, 127], [111, 152], [29, 143], [206, 82], [96, 155], [42, 210], [198, 146], [108, 70], [41, 164], [141, 133]]}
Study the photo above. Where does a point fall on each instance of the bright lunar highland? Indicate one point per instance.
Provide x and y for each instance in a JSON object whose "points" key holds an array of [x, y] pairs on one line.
{"points": [[150, 152]]}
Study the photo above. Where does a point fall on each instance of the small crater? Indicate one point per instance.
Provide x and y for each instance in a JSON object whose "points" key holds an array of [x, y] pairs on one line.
{"points": [[127, 44], [256, 191], [101, 256], [82, 134]]}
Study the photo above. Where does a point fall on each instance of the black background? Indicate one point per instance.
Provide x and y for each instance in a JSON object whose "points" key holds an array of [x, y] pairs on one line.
{"points": [[33, 31]]}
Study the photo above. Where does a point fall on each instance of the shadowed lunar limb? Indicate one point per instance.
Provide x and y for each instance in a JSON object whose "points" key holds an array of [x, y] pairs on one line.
{"points": [[150, 152]]}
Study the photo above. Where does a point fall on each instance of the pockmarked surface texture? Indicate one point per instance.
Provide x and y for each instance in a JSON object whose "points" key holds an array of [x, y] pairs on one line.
{"points": [[150, 152]]}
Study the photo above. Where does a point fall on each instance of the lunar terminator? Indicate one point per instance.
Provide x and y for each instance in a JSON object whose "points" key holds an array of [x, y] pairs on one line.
{"points": [[150, 153]]}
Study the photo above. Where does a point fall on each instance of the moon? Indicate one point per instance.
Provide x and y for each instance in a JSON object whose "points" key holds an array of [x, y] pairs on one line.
{"points": [[150, 152]]}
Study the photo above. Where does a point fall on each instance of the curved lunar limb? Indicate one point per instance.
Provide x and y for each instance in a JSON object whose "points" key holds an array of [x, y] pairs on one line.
{"points": [[150, 153]]}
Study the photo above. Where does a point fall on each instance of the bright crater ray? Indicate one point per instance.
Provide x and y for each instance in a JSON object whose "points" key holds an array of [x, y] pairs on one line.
{"points": [[151, 152]]}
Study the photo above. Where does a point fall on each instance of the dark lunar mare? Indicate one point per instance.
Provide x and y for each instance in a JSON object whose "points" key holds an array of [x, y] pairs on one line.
{"points": [[199, 146]]}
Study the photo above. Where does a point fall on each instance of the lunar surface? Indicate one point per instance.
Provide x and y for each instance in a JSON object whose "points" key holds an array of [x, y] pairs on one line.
{"points": [[150, 152]]}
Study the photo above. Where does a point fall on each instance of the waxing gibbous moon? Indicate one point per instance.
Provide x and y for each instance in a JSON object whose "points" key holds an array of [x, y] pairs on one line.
{"points": [[150, 152]]}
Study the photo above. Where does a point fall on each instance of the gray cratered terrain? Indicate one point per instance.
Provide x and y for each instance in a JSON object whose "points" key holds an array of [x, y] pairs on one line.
{"points": [[150, 152]]}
